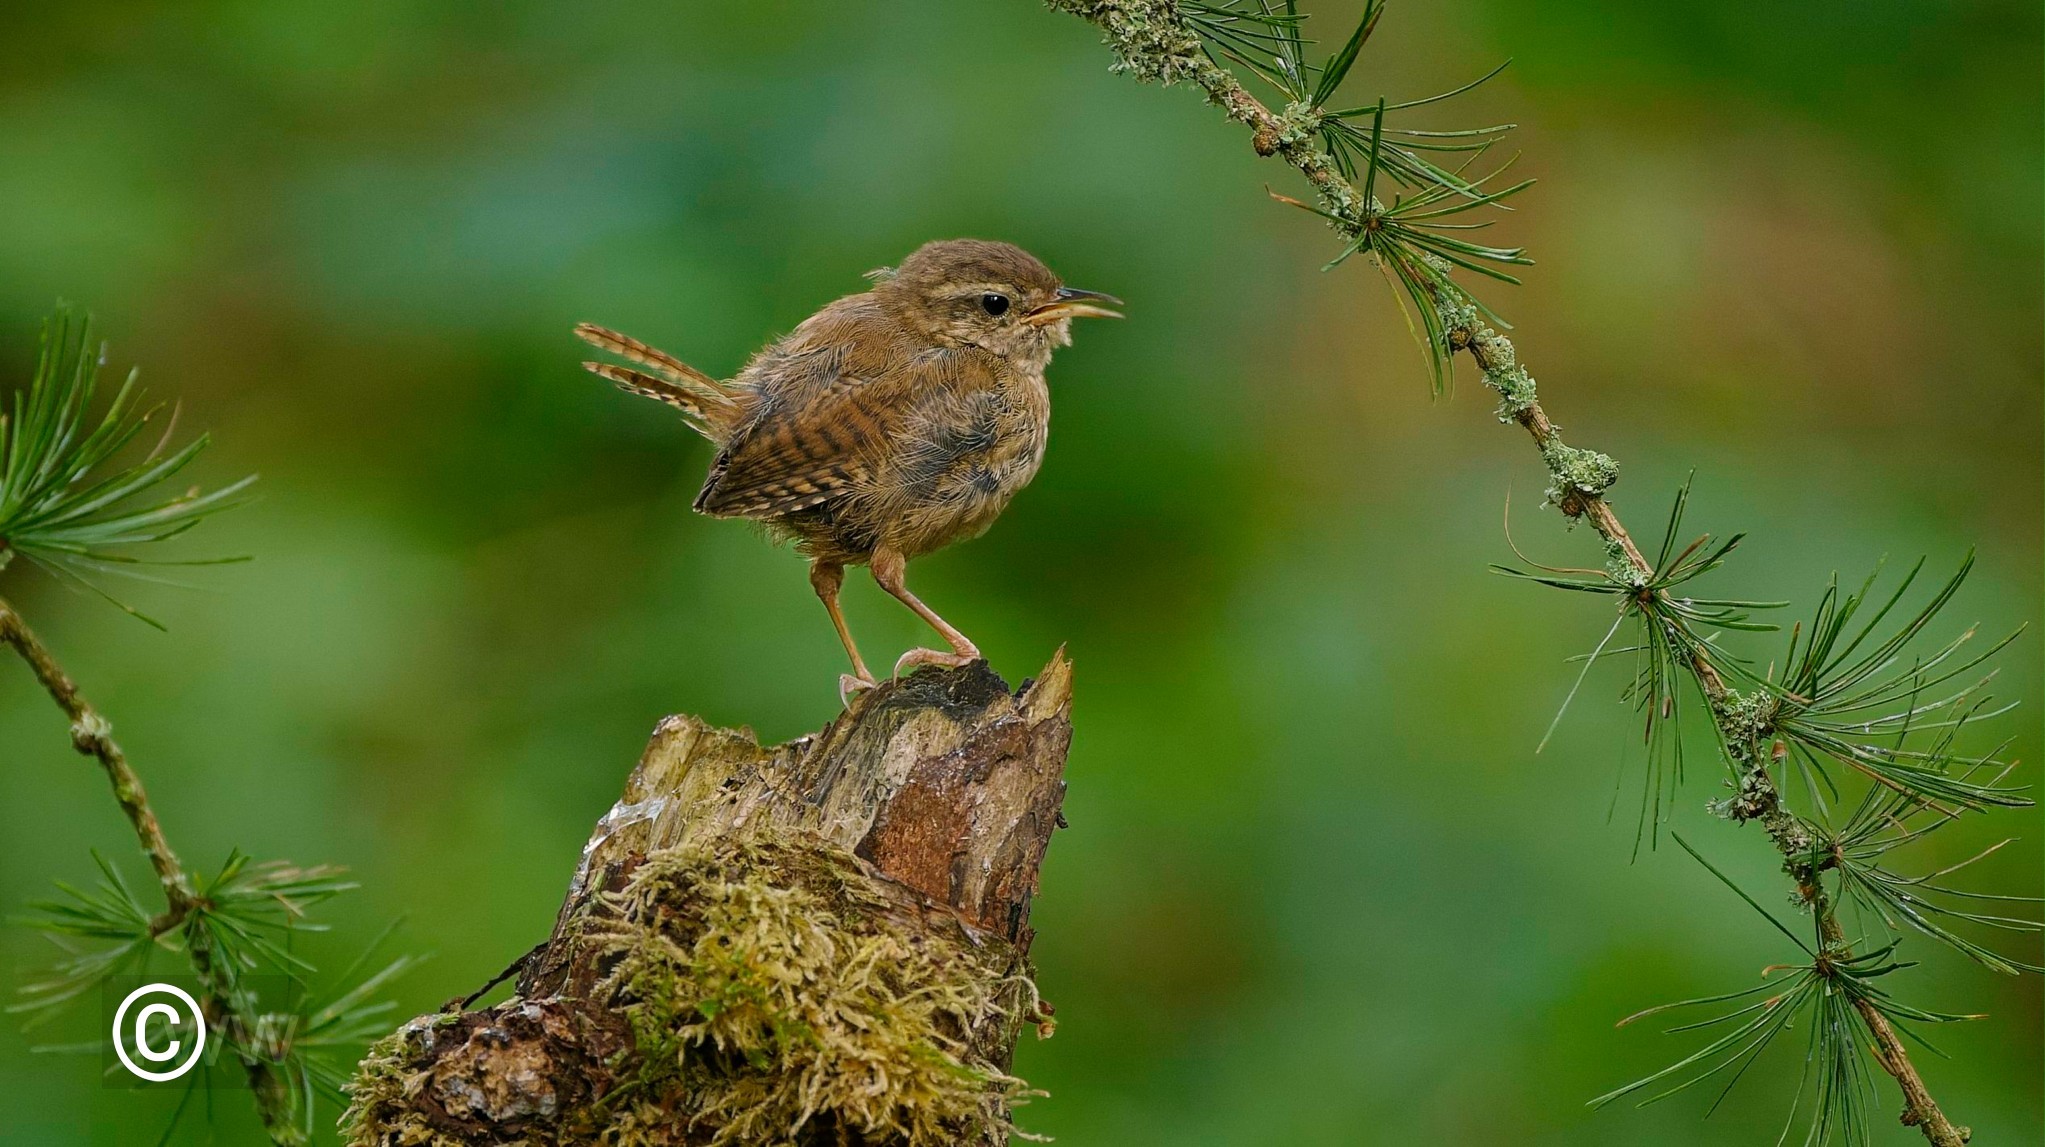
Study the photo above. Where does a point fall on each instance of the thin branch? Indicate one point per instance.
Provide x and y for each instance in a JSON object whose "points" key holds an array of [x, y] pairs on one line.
{"points": [[224, 1003], [93, 736], [1154, 41]]}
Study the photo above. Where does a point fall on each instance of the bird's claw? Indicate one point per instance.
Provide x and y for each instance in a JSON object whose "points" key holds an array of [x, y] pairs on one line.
{"points": [[915, 657], [851, 685]]}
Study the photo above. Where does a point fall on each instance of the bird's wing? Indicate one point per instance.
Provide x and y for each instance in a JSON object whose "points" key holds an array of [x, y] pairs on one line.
{"points": [[829, 443]]}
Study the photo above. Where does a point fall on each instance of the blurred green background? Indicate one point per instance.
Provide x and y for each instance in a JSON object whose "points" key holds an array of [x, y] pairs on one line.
{"points": [[1318, 889]]}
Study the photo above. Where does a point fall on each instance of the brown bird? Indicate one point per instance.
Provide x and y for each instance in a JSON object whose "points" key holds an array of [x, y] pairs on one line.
{"points": [[890, 424]]}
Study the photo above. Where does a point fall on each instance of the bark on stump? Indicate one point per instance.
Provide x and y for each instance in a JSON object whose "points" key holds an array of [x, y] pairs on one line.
{"points": [[897, 848]]}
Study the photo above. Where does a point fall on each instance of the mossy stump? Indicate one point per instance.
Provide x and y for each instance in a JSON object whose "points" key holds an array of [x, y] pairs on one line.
{"points": [[823, 942]]}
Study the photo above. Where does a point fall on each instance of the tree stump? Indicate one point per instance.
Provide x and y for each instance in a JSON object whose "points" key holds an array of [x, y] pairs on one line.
{"points": [[823, 942]]}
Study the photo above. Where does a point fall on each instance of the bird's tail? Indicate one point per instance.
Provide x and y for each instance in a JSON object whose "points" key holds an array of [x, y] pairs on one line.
{"points": [[712, 408]]}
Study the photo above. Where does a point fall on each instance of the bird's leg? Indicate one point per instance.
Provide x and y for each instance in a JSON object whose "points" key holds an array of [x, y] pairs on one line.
{"points": [[888, 566], [827, 577]]}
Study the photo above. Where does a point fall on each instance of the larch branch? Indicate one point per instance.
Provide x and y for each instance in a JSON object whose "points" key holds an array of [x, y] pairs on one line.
{"points": [[1154, 41], [92, 736]]}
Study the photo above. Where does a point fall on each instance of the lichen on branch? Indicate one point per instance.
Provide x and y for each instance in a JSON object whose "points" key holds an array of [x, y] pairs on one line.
{"points": [[1821, 720]]}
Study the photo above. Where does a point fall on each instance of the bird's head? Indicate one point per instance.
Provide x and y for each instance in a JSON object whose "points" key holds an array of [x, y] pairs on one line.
{"points": [[995, 296]]}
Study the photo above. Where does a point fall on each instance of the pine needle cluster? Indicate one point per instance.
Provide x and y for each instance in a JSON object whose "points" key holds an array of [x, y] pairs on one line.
{"points": [[83, 499]]}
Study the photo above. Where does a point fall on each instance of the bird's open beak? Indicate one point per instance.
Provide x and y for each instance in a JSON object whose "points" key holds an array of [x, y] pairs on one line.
{"points": [[1073, 303]]}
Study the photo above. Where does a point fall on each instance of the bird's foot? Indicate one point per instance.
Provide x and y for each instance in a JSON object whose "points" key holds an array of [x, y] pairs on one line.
{"points": [[850, 685], [915, 657]]}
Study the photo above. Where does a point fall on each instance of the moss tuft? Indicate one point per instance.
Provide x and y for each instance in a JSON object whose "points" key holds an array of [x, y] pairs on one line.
{"points": [[755, 990], [378, 1111], [768, 988]]}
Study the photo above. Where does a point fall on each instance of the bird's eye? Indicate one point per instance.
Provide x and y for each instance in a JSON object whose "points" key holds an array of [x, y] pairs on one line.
{"points": [[996, 305]]}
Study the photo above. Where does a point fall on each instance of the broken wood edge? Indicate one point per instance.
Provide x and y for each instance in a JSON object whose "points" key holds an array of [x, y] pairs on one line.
{"points": [[931, 799]]}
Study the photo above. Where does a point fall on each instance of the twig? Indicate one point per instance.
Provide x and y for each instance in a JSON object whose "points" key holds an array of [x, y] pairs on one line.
{"points": [[1155, 42], [225, 1004], [93, 736]]}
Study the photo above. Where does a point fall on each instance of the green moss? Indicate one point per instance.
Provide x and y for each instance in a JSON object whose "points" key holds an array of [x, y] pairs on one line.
{"points": [[767, 987], [377, 1111], [772, 996]]}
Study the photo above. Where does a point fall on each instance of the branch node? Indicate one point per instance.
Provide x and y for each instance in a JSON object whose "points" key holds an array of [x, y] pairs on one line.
{"points": [[91, 733]]}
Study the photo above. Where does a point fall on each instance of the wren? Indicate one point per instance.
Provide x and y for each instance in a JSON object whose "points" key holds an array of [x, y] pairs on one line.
{"points": [[886, 426]]}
